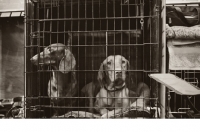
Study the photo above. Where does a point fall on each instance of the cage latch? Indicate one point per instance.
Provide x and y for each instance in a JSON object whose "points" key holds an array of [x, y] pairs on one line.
{"points": [[142, 23], [142, 16]]}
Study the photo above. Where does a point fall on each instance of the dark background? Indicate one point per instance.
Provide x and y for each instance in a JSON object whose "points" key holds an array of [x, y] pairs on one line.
{"points": [[12, 57]]}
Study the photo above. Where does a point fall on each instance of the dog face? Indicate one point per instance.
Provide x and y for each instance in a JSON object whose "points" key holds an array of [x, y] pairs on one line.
{"points": [[113, 70], [50, 55], [56, 54]]}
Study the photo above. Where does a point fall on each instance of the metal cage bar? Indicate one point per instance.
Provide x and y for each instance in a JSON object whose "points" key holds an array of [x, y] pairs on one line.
{"points": [[163, 67]]}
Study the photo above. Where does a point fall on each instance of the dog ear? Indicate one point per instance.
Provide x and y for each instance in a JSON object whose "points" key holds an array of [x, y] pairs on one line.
{"points": [[130, 78], [128, 66], [101, 74], [68, 62]]}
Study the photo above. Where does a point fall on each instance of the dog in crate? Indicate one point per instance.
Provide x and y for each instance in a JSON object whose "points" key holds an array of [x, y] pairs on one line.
{"points": [[113, 96], [63, 81]]}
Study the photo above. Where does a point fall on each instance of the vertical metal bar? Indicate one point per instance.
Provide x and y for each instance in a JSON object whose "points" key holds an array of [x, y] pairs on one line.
{"points": [[65, 16], [68, 42], [106, 31], [130, 46], [69, 37], [114, 44], [50, 43], [163, 61], [93, 25], [150, 9], [1, 95], [38, 42], [106, 43], [143, 38], [121, 40], [85, 47], [106, 28], [25, 51], [71, 22], [58, 23], [100, 28], [78, 32], [93, 21], [136, 47], [43, 37]]}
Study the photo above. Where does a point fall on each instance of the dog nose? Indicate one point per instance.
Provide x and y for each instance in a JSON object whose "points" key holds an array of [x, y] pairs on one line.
{"points": [[32, 60], [118, 72]]}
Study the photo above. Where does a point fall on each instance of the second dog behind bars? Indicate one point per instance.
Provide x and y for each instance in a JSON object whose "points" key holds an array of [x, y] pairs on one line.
{"points": [[63, 81]]}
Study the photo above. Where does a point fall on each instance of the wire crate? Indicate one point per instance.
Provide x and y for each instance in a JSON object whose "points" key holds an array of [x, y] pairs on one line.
{"points": [[92, 30], [179, 106]]}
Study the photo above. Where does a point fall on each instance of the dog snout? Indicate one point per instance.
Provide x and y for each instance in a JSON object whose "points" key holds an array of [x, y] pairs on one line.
{"points": [[34, 59], [31, 59], [118, 73]]}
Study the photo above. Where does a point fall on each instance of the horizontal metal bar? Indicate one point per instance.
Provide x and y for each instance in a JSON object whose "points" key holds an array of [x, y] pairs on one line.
{"points": [[70, 3], [109, 45], [40, 97], [147, 71], [192, 72], [136, 31], [56, 106], [101, 18], [177, 112], [42, 7]]}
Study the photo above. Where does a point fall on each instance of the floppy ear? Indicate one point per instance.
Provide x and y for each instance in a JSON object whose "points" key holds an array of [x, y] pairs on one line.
{"points": [[68, 62], [130, 78], [128, 66], [101, 74]]}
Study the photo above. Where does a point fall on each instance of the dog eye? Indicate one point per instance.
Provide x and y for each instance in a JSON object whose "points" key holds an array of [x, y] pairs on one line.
{"points": [[54, 88], [49, 49], [108, 63], [123, 61]]}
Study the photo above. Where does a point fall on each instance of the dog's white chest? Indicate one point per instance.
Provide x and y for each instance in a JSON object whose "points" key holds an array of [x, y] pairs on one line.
{"points": [[121, 99]]}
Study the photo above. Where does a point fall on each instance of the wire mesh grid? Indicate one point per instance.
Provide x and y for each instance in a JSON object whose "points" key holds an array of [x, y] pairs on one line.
{"points": [[89, 31], [183, 106], [178, 105]]}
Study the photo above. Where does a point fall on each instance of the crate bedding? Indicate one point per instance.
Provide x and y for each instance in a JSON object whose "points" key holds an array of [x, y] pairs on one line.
{"points": [[183, 46], [131, 112], [182, 32], [183, 41], [184, 57]]}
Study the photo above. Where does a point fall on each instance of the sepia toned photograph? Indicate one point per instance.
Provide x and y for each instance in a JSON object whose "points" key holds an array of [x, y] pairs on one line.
{"points": [[99, 59]]}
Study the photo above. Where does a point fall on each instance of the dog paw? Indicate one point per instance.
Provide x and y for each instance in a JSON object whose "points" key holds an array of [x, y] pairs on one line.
{"points": [[107, 115], [104, 116]]}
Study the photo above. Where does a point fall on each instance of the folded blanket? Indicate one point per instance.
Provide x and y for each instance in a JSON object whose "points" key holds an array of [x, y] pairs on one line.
{"points": [[129, 113], [186, 57], [78, 114], [181, 32]]}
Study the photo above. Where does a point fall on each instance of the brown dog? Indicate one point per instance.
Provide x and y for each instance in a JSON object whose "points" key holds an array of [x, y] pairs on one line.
{"points": [[113, 96], [62, 61]]}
